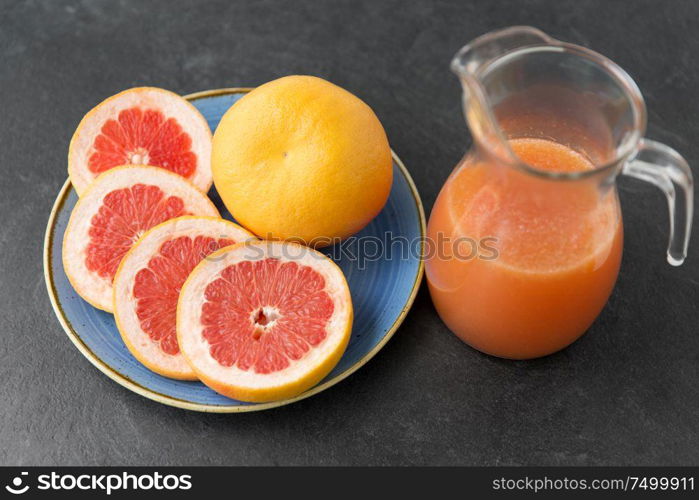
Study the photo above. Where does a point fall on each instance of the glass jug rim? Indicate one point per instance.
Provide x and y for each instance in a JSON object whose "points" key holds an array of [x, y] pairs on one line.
{"points": [[618, 74]]}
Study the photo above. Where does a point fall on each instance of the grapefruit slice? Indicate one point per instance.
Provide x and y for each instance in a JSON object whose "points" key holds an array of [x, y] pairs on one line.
{"points": [[121, 205], [148, 281], [141, 126], [263, 321]]}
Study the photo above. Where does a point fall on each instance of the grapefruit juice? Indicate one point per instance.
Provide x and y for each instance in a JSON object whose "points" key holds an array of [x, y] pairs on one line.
{"points": [[548, 251]]}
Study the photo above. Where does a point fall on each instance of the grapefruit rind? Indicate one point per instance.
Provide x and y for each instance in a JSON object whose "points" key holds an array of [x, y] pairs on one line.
{"points": [[169, 103], [143, 348], [94, 289], [302, 142], [246, 385]]}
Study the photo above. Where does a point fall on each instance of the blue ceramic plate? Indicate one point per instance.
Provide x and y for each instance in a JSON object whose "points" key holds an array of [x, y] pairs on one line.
{"points": [[383, 289]]}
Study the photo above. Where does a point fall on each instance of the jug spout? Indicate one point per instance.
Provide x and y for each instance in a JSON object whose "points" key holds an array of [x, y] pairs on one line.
{"points": [[466, 65], [492, 45]]}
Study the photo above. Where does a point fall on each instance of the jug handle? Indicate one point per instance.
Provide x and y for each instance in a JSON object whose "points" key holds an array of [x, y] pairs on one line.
{"points": [[664, 167]]}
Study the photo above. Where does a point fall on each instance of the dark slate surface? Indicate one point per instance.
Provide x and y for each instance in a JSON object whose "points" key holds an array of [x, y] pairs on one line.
{"points": [[626, 393]]}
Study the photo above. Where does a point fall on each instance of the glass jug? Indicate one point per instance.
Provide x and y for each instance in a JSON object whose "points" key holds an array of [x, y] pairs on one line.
{"points": [[525, 237]]}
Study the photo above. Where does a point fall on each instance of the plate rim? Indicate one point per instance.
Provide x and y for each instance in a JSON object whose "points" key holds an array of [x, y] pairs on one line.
{"points": [[146, 392]]}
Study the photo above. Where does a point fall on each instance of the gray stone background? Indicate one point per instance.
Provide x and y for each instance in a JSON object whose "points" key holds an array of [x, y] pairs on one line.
{"points": [[626, 393]]}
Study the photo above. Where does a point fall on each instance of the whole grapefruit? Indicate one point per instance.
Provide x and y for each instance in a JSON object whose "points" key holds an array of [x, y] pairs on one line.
{"points": [[300, 158]]}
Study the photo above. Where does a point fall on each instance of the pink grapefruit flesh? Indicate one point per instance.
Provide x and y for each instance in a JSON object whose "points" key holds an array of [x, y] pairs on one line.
{"points": [[113, 214], [142, 126], [125, 213], [139, 136], [263, 315], [148, 282], [264, 321]]}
